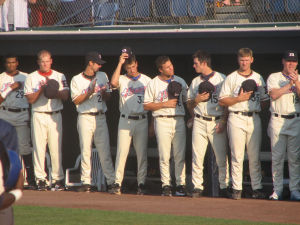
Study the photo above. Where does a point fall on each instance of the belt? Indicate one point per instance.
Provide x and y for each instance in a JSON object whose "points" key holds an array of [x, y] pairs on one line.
{"points": [[246, 113], [14, 110], [134, 117], [94, 113], [287, 116], [170, 116], [51, 113], [208, 118]]}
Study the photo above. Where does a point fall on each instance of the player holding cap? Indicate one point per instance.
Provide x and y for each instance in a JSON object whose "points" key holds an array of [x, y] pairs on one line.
{"points": [[168, 112], [284, 125], [209, 122], [89, 91], [46, 120], [14, 109], [244, 125], [133, 123]]}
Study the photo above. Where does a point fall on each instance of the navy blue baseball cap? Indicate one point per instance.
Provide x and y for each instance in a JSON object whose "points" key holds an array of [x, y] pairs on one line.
{"points": [[290, 55], [94, 57]]}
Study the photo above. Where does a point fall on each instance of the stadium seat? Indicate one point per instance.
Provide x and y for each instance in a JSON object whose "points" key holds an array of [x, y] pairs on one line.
{"points": [[293, 6], [106, 13], [179, 7], [127, 9], [98, 178], [197, 7], [142, 8]]}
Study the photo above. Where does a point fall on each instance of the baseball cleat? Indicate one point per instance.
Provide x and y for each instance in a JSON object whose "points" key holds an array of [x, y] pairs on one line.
{"points": [[224, 192], [180, 190], [141, 189], [295, 195], [58, 186], [197, 193], [166, 190], [258, 194], [236, 194], [41, 186], [275, 196], [84, 188]]}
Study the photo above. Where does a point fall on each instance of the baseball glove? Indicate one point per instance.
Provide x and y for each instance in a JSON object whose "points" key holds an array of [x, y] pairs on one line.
{"points": [[249, 85], [51, 89], [208, 87], [174, 90]]}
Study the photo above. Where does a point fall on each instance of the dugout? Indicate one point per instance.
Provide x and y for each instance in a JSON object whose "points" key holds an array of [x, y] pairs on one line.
{"points": [[179, 42]]}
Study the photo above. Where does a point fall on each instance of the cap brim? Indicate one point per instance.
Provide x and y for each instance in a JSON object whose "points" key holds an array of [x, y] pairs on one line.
{"points": [[100, 62]]}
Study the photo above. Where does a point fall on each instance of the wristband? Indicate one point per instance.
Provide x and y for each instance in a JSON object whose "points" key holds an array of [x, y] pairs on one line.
{"points": [[6, 92], [17, 193]]}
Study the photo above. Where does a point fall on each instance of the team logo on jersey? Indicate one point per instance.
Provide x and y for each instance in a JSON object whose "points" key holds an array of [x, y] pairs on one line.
{"points": [[5, 86], [131, 91], [162, 95]]}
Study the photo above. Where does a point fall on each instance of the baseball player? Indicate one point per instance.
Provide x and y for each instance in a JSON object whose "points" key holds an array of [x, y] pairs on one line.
{"points": [[169, 124], [46, 120], [209, 123], [284, 128], [133, 123], [8, 140], [14, 109], [89, 91], [244, 125]]}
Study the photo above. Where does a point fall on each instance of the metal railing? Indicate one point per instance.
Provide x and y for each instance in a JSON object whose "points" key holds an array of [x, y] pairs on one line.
{"points": [[59, 13]]}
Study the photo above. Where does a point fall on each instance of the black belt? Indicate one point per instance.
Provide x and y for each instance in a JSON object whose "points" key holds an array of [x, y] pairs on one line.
{"points": [[208, 118], [245, 113], [287, 116], [170, 116], [14, 110], [51, 113], [94, 113], [134, 117]]}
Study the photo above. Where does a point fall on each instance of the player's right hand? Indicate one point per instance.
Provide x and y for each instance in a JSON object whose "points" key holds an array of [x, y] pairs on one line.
{"points": [[172, 103], [15, 85], [244, 96], [202, 97], [123, 57]]}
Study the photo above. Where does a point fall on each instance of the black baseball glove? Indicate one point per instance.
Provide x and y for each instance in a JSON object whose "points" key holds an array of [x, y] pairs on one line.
{"points": [[249, 85], [208, 87], [174, 90], [51, 89]]}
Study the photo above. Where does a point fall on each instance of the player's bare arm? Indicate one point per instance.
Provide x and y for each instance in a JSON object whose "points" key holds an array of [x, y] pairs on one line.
{"points": [[199, 98], [222, 124], [276, 93], [229, 101], [116, 75], [63, 95], [32, 98], [294, 78], [156, 106], [81, 98]]}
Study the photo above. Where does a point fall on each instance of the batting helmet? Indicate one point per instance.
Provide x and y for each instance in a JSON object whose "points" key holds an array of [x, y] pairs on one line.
{"points": [[15, 167], [174, 90], [51, 89], [249, 85], [208, 87]]}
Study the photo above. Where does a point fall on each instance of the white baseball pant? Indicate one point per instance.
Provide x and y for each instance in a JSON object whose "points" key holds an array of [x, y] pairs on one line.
{"points": [[47, 128], [285, 136], [136, 130], [245, 131], [91, 127], [171, 132], [204, 131]]}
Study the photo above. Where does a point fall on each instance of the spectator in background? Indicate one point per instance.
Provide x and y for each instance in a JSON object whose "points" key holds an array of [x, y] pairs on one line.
{"points": [[75, 11], [14, 14], [43, 12]]}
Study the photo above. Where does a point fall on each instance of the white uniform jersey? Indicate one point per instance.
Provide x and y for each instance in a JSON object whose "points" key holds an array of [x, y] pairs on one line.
{"points": [[132, 94], [156, 92], [287, 103], [33, 83], [81, 85], [231, 88], [211, 107], [15, 99]]}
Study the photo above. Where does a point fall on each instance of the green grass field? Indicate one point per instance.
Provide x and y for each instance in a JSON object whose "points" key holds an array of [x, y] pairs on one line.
{"points": [[33, 215]]}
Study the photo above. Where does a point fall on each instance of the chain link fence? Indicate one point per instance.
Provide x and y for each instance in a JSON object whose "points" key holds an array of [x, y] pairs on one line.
{"points": [[42, 13]]}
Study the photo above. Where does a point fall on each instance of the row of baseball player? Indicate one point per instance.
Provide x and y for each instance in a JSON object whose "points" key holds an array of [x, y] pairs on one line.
{"points": [[219, 105]]}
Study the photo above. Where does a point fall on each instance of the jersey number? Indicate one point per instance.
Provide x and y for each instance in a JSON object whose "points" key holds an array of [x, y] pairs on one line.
{"points": [[20, 94], [214, 99], [255, 98], [139, 99], [99, 98]]}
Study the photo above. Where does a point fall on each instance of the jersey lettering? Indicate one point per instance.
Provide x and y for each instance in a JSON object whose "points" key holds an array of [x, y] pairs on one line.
{"points": [[99, 97], [214, 98], [131, 91], [255, 98], [20, 94], [140, 99]]}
